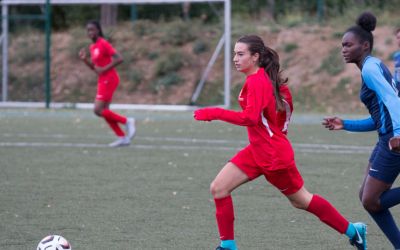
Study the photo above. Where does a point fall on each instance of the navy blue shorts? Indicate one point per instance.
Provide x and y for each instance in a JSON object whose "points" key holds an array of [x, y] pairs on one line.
{"points": [[385, 164]]}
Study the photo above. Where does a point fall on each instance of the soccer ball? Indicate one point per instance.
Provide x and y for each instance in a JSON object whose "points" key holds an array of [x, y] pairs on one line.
{"points": [[54, 242]]}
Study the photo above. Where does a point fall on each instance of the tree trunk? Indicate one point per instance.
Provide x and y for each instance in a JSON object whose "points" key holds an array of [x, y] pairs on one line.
{"points": [[109, 14], [253, 8], [186, 10], [271, 9]]}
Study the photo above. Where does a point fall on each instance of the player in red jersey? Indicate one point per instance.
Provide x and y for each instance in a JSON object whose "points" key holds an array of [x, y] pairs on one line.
{"points": [[269, 152], [104, 59]]}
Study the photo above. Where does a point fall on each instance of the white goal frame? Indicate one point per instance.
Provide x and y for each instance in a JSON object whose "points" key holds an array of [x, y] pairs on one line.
{"points": [[225, 40]]}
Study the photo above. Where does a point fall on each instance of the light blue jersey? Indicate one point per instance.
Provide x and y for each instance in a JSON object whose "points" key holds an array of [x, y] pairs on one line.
{"points": [[396, 73], [380, 94]]}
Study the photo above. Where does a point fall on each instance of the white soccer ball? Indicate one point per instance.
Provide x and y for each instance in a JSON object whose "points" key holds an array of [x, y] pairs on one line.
{"points": [[54, 242]]}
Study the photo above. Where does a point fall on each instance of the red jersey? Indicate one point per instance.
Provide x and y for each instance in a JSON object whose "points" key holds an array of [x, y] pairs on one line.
{"points": [[268, 144], [101, 54], [283, 117]]}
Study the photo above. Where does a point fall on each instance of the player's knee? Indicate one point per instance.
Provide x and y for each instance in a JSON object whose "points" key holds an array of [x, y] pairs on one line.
{"points": [[360, 194], [97, 111], [299, 204], [371, 205], [217, 191]]}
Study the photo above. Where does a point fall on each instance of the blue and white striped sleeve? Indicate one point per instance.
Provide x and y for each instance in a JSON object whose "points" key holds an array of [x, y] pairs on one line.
{"points": [[373, 77], [363, 125]]}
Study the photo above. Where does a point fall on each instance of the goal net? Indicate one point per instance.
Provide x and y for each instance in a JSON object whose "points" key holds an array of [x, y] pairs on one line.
{"points": [[173, 63]]}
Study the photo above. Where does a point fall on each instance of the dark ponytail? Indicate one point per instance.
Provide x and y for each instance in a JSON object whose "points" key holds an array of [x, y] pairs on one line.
{"points": [[269, 60], [98, 26], [365, 24]]}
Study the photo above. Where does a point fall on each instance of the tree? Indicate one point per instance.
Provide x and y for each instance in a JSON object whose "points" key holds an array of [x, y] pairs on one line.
{"points": [[108, 14]]}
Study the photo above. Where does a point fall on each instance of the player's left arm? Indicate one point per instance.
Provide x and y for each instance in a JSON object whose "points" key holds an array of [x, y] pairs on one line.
{"points": [[387, 93], [283, 116], [116, 58]]}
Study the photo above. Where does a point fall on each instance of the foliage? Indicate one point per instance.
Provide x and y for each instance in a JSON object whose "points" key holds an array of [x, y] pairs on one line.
{"points": [[333, 63], [143, 27], [289, 47], [178, 33], [166, 81], [80, 41], [152, 55], [212, 93], [200, 46], [26, 88], [172, 61], [26, 54], [290, 12], [337, 35], [341, 86], [135, 77]]}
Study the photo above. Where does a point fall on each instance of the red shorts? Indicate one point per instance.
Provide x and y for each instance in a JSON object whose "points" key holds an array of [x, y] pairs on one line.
{"points": [[287, 180], [106, 87]]}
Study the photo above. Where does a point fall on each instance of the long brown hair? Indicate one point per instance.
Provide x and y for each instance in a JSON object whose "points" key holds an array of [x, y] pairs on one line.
{"points": [[269, 60]]}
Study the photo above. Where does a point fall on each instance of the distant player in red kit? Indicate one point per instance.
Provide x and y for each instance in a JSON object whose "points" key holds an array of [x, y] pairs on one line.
{"points": [[266, 107], [104, 59]]}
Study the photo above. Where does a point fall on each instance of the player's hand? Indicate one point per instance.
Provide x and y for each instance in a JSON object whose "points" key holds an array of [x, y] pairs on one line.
{"points": [[394, 144], [201, 115], [207, 114], [333, 123], [99, 70], [82, 54]]}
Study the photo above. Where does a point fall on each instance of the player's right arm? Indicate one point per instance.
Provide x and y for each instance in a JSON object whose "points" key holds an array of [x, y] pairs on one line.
{"points": [[84, 57], [336, 123], [249, 116]]}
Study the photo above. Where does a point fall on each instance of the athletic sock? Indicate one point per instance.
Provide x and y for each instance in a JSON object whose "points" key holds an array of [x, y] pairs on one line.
{"points": [[112, 116], [351, 231], [225, 217], [229, 244], [115, 127], [327, 214], [390, 198], [386, 223]]}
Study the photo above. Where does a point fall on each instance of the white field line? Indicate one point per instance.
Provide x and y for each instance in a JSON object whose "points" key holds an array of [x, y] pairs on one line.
{"points": [[211, 144], [98, 145]]}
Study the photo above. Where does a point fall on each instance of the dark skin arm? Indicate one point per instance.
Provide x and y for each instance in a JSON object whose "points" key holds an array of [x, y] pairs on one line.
{"points": [[84, 57], [333, 123], [394, 144], [116, 60]]}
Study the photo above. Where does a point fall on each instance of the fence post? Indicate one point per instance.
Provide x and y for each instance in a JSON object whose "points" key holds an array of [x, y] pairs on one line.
{"points": [[48, 53]]}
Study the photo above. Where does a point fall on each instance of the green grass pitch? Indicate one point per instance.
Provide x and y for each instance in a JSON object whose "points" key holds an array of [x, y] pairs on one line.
{"points": [[57, 176]]}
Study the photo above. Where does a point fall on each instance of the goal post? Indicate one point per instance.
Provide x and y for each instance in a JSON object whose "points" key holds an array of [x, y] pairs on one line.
{"points": [[225, 41]]}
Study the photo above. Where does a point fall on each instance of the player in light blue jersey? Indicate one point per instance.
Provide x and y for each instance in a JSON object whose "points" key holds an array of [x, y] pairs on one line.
{"points": [[380, 94], [396, 58]]}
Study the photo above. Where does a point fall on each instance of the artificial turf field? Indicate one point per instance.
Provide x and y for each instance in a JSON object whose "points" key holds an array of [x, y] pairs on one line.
{"points": [[57, 176]]}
